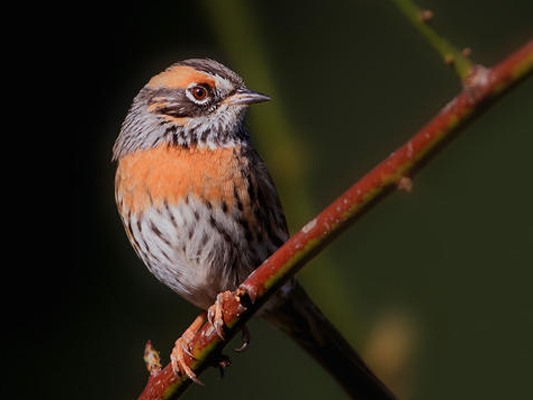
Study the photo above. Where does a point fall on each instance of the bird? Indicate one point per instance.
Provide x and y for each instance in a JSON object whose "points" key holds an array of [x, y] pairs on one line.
{"points": [[202, 212]]}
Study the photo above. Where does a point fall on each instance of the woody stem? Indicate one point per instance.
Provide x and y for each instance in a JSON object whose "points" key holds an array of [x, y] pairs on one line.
{"points": [[482, 88]]}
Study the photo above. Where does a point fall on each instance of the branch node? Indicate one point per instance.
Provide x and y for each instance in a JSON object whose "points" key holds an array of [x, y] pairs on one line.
{"points": [[152, 359], [477, 78]]}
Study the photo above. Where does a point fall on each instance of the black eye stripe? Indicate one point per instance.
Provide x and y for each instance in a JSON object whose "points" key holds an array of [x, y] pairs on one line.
{"points": [[177, 112], [168, 93], [176, 102]]}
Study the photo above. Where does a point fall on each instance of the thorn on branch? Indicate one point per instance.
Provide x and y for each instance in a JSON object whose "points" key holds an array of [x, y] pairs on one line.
{"points": [[405, 183], [152, 359], [426, 16], [449, 59], [467, 51]]}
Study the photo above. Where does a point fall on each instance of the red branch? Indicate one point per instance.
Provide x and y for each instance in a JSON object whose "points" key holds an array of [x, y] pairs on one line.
{"points": [[481, 87]]}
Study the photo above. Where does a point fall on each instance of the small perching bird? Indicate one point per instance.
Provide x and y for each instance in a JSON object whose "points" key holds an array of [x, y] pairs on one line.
{"points": [[202, 212]]}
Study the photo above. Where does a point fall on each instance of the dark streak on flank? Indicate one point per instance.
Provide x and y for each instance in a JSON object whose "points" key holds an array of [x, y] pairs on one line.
{"points": [[237, 198], [204, 136], [132, 236], [220, 229], [250, 187], [170, 214], [159, 234], [168, 259], [204, 240], [246, 227]]}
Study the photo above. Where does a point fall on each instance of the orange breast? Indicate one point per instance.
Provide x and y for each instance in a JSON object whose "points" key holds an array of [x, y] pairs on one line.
{"points": [[170, 173]]}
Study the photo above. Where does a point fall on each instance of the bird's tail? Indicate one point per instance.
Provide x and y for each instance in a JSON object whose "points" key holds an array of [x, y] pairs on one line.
{"points": [[303, 321]]}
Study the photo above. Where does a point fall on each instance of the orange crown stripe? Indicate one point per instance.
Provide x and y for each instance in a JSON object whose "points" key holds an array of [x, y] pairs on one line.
{"points": [[180, 77]]}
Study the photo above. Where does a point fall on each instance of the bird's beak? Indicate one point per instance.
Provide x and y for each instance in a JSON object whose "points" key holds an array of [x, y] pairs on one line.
{"points": [[245, 96]]}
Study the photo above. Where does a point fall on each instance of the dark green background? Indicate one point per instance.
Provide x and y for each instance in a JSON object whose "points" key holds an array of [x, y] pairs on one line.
{"points": [[443, 275]]}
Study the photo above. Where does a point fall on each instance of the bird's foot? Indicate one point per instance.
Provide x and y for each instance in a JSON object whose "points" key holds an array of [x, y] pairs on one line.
{"points": [[215, 316], [215, 313], [181, 350]]}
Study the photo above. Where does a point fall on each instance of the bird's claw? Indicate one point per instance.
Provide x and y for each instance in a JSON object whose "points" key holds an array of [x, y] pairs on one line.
{"points": [[245, 340], [215, 313], [215, 316], [178, 355]]}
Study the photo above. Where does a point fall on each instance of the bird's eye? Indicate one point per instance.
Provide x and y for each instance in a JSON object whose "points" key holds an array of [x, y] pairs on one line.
{"points": [[199, 93]]}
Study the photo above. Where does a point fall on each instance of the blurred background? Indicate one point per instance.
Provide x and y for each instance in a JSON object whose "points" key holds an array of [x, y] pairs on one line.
{"points": [[432, 287]]}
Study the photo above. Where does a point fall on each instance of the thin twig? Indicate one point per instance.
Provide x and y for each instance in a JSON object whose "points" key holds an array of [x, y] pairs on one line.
{"points": [[450, 54], [482, 88]]}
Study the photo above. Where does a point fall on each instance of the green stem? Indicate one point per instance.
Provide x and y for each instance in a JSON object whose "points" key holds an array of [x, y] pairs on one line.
{"points": [[237, 29], [449, 53], [275, 135]]}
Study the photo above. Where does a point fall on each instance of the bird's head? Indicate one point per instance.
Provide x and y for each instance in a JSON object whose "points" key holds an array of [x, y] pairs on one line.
{"points": [[196, 102]]}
